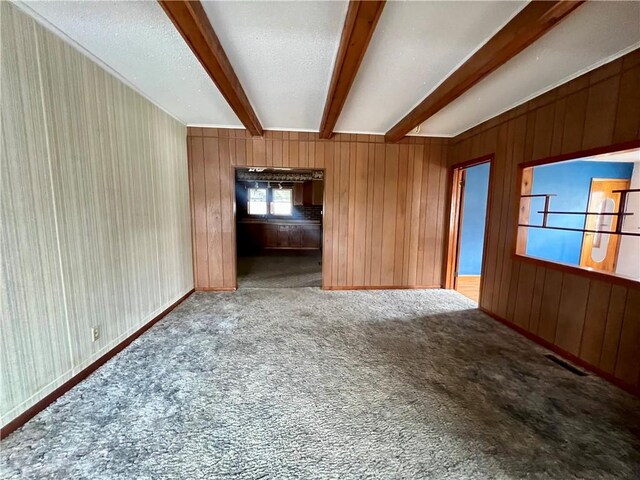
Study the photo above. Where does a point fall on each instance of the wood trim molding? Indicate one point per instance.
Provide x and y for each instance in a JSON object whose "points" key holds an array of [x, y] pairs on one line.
{"points": [[382, 287], [216, 289], [24, 417], [192, 22], [452, 233], [474, 161], [592, 152], [453, 229], [563, 353], [533, 21], [460, 191], [525, 184], [360, 22]]}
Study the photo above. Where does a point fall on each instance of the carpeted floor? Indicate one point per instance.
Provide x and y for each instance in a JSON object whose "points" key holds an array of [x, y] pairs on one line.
{"points": [[281, 270], [303, 383]]}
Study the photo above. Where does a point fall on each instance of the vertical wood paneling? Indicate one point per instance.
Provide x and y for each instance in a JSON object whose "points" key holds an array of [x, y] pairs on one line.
{"points": [[601, 110], [389, 214], [574, 117], [628, 361], [431, 239], [360, 213], [95, 194], [401, 215], [352, 216], [571, 313], [213, 210], [198, 204], [442, 205], [594, 320], [627, 122], [524, 297], [327, 216], [369, 220], [414, 220], [343, 213], [536, 300], [613, 328], [378, 210], [382, 225]]}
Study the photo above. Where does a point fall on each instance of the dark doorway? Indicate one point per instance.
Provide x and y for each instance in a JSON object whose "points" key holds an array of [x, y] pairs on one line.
{"points": [[279, 227]]}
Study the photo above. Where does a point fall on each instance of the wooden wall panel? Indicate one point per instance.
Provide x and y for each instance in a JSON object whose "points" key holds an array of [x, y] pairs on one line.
{"points": [[593, 320], [95, 195], [383, 226]]}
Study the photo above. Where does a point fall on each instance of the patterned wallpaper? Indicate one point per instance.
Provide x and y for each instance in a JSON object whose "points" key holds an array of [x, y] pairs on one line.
{"points": [[94, 211]]}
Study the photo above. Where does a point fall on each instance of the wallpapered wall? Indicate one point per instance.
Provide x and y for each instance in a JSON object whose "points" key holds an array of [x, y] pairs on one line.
{"points": [[94, 211]]}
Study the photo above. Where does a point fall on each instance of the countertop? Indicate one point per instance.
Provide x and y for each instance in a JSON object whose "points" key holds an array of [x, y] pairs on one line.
{"points": [[279, 221]]}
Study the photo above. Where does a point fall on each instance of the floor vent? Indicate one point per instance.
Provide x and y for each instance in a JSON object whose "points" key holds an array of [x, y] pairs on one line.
{"points": [[566, 365]]}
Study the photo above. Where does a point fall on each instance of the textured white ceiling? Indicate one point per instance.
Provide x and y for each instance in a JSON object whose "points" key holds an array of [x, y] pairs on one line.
{"points": [[283, 54], [593, 34], [138, 42], [415, 46], [627, 156]]}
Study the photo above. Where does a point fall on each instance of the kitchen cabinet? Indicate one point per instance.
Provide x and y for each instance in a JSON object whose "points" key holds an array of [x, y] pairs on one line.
{"points": [[256, 236]]}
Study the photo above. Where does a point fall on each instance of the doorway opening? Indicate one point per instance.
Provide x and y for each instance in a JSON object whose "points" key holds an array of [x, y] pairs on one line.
{"points": [[470, 191], [279, 227]]}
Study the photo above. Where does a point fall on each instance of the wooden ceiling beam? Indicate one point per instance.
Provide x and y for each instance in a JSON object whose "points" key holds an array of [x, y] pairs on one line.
{"points": [[359, 24], [192, 22], [533, 21]]}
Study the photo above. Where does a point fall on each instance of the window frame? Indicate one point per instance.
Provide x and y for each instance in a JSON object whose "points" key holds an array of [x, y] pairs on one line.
{"points": [[517, 246], [249, 201], [272, 202], [269, 211]]}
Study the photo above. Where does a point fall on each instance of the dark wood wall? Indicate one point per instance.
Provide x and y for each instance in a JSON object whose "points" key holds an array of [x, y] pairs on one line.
{"points": [[594, 320], [383, 204]]}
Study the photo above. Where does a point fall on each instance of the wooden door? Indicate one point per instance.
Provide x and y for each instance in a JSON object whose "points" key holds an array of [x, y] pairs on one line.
{"points": [[600, 250]]}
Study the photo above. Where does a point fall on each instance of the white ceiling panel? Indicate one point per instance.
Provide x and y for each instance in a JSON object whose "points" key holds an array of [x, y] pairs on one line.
{"points": [[283, 54], [415, 46], [592, 35], [137, 41]]}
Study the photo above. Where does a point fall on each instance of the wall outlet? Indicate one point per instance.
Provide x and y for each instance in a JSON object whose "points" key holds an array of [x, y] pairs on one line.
{"points": [[95, 333]]}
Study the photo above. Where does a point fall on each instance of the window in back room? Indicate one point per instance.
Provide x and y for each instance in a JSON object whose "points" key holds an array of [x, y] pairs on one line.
{"points": [[257, 201], [281, 201], [583, 212]]}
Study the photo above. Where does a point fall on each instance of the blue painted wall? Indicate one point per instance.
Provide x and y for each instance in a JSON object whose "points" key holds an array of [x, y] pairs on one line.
{"points": [[571, 182], [474, 213]]}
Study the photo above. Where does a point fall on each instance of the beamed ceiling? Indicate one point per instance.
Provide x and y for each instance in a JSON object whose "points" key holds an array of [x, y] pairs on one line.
{"points": [[288, 62]]}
